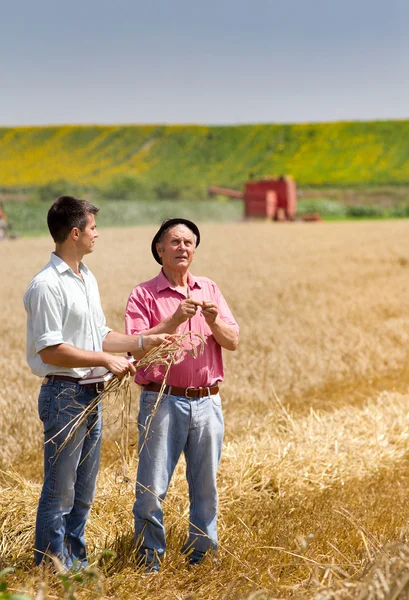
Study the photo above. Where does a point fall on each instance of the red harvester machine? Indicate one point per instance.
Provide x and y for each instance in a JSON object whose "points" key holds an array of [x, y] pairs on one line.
{"points": [[274, 199]]}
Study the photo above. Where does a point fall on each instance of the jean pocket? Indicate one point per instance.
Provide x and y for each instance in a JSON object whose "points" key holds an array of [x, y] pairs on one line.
{"points": [[149, 398], [44, 407], [217, 401], [47, 410], [70, 406]]}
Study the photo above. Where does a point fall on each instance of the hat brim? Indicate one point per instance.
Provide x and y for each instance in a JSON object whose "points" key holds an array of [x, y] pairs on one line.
{"points": [[166, 225]]}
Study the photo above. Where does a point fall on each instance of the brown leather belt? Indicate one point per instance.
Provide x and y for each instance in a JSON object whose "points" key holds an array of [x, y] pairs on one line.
{"points": [[189, 392], [62, 378], [89, 387]]}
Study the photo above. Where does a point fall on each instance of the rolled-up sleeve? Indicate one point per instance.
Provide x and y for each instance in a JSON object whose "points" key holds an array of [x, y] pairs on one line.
{"points": [[224, 311], [103, 328], [101, 320], [44, 308]]}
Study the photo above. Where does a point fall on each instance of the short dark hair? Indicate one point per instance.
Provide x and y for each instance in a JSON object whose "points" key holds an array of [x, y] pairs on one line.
{"points": [[66, 213]]}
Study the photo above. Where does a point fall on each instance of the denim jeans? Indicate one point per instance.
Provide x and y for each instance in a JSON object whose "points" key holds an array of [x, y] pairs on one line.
{"points": [[194, 426], [69, 474]]}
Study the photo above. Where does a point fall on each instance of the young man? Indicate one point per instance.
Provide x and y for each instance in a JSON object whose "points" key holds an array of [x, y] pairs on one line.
{"points": [[66, 337], [189, 417]]}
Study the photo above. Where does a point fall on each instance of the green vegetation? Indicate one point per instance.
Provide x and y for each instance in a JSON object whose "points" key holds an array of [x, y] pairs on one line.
{"points": [[5, 594], [142, 174], [332, 209], [181, 161], [30, 218]]}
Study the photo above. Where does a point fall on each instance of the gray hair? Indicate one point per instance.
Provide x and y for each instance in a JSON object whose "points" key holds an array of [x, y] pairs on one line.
{"points": [[164, 232]]}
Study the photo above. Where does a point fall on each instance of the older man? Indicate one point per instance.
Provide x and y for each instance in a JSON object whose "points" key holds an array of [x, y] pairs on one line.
{"points": [[189, 417]]}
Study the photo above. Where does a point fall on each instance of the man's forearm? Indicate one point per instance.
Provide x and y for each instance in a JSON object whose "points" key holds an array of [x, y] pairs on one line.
{"points": [[121, 342], [225, 335], [65, 355], [168, 325]]}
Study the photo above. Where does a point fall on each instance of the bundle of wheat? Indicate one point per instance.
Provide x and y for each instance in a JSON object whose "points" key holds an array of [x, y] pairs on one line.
{"points": [[167, 354]]}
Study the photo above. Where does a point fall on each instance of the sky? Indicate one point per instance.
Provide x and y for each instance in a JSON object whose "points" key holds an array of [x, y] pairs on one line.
{"points": [[203, 61]]}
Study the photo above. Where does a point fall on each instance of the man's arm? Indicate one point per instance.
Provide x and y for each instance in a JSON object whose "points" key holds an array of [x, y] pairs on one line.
{"points": [[216, 314], [221, 321], [121, 342], [225, 335], [186, 309], [65, 355], [70, 357], [138, 317]]}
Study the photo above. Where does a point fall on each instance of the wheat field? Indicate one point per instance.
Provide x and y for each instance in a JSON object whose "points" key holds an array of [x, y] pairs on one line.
{"points": [[314, 478]]}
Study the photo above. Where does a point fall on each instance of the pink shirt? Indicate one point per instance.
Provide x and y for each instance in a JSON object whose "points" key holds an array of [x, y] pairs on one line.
{"points": [[155, 300]]}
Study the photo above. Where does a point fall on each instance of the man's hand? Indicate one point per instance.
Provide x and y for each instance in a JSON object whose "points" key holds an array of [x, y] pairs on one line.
{"points": [[186, 310], [210, 312], [151, 341], [118, 365]]}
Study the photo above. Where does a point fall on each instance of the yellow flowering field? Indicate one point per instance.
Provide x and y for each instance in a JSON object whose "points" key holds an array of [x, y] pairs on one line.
{"points": [[347, 153]]}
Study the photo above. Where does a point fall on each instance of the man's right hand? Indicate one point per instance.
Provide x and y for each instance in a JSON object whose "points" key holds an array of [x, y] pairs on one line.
{"points": [[186, 310]]}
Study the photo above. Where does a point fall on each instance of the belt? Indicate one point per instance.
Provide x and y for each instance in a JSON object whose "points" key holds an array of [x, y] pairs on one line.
{"points": [[189, 392], [89, 387]]}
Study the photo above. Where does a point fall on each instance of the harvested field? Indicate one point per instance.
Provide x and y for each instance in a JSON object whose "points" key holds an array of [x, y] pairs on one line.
{"points": [[314, 479]]}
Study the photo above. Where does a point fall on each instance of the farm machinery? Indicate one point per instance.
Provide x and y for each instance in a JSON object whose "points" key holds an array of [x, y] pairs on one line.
{"points": [[273, 198]]}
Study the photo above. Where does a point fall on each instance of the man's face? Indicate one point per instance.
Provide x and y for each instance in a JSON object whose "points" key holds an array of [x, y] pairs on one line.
{"points": [[86, 238], [177, 248]]}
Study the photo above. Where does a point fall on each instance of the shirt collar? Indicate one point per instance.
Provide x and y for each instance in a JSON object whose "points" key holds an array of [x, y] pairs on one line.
{"points": [[163, 284], [62, 266]]}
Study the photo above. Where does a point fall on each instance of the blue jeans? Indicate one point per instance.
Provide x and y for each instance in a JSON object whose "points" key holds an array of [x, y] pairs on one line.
{"points": [[69, 474], [194, 426]]}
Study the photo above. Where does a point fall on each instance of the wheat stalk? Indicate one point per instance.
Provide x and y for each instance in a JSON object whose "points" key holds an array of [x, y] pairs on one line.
{"points": [[167, 354]]}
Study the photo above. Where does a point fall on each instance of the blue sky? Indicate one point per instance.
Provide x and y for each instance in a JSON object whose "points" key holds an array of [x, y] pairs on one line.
{"points": [[208, 61]]}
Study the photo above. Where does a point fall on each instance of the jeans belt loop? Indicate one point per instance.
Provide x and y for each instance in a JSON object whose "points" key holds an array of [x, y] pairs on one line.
{"points": [[208, 391], [169, 390]]}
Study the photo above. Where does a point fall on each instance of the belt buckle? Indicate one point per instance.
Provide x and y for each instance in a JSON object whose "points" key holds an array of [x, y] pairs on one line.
{"points": [[187, 392]]}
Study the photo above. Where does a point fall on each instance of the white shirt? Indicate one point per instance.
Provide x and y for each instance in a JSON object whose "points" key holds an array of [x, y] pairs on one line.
{"points": [[63, 308]]}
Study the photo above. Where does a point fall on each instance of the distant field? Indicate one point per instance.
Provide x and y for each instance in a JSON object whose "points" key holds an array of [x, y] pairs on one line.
{"points": [[314, 480], [192, 157], [29, 218]]}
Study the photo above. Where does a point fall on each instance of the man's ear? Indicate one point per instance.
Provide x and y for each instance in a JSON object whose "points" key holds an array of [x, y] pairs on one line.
{"points": [[159, 249], [75, 233]]}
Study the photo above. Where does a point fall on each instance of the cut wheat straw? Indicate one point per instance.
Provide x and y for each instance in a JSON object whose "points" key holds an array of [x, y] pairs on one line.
{"points": [[167, 354]]}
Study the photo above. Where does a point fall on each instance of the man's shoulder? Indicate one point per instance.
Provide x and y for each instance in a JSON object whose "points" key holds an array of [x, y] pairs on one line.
{"points": [[45, 280], [47, 275], [151, 284]]}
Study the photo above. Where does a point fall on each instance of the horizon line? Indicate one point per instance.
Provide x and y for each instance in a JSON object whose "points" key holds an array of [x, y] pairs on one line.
{"points": [[198, 124]]}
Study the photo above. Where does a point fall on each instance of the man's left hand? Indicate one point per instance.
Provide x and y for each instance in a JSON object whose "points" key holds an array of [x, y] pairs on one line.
{"points": [[210, 312]]}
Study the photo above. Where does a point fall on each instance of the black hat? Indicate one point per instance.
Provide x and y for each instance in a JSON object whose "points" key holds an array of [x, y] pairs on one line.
{"points": [[166, 225]]}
